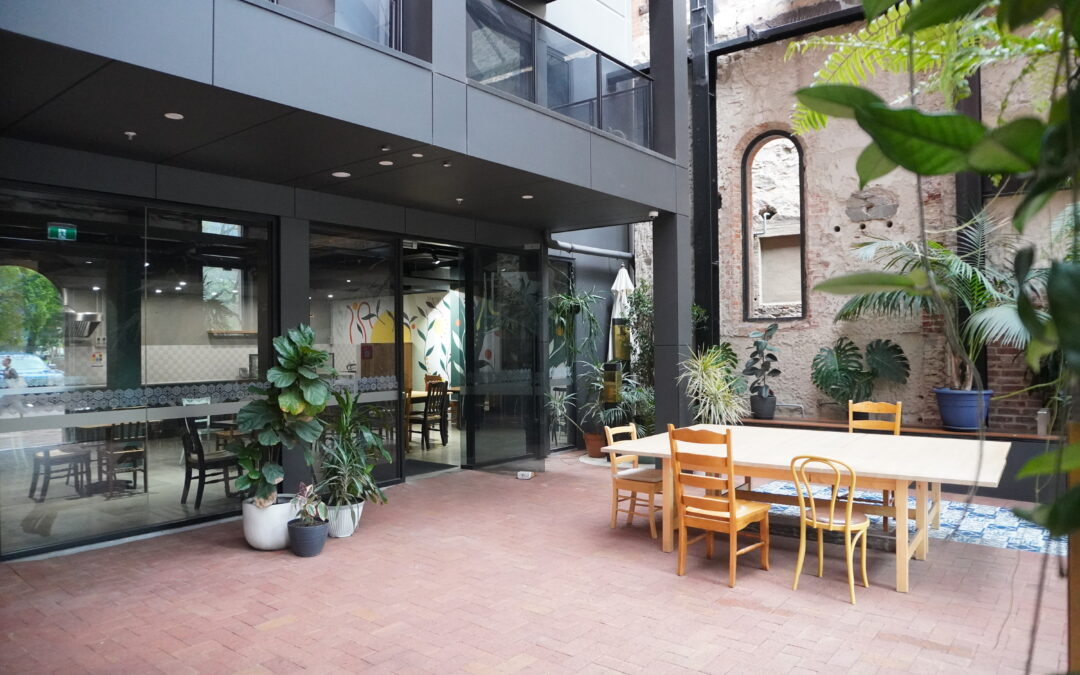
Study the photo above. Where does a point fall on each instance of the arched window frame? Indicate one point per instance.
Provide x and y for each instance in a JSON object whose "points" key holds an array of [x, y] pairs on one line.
{"points": [[749, 154]]}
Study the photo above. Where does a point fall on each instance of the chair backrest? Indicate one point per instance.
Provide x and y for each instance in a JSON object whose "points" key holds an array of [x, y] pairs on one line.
{"points": [[894, 409], [711, 465], [438, 398], [807, 471], [616, 459], [131, 432], [193, 447], [199, 400], [432, 378]]}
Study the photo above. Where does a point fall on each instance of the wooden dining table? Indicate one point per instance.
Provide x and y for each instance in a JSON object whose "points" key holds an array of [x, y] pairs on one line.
{"points": [[880, 462]]}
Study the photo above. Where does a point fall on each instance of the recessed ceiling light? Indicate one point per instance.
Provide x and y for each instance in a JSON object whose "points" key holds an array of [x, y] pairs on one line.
{"points": [[459, 199], [177, 288], [418, 155], [447, 164], [348, 281], [341, 174], [386, 162], [526, 196], [329, 295], [181, 283], [174, 116], [146, 264], [157, 290], [130, 135], [89, 262], [95, 288], [384, 148]]}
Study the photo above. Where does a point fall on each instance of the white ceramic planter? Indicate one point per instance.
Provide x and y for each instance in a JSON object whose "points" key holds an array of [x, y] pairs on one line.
{"points": [[342, 522], [268, 529]]}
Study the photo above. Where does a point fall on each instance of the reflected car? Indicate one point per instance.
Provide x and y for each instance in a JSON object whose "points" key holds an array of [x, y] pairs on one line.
{"points": [[33, 371]]}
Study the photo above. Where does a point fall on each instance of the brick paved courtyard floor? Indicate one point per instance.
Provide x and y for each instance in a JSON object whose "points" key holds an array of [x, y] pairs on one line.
{"points": [[480, 572]]}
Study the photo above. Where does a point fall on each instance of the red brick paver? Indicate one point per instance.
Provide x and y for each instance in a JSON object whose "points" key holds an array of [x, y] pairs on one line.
{"points": [[477, 572]]}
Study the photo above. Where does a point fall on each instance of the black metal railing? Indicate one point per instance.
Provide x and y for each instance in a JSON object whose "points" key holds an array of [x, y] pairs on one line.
{"points": [[522, 55]]}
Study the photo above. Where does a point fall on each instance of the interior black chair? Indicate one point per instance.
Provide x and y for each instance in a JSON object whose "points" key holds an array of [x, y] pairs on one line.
{"points": [[212, 467], [65, 461], [436, 406], [123, 453]]}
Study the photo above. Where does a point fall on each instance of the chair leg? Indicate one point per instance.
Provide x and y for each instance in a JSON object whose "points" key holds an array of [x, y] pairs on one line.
{"points": [[820, 552], [681, 570], [652, 514], [614, 506], [34, 479], [199, 489], [764, 534], [802, 553], [709, 545], [187, 485], [849, 553], [865, 581], [733, 554], [46, 475], [633, 509]]}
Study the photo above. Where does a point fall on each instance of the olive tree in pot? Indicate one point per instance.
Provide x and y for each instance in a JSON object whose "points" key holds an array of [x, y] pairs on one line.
{"points": [[307, 532], [760, 367], [285, 419], [346, 458], [839, 373]]}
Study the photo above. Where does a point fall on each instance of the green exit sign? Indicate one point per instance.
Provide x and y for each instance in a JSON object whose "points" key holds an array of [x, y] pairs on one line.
{"points": [[63, 232]]}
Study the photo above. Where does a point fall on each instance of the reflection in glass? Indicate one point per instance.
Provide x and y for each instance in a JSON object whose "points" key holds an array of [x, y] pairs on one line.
{"points": [[568, 82], [376, 20], [500, 47], [627, 103], [773, 202]]}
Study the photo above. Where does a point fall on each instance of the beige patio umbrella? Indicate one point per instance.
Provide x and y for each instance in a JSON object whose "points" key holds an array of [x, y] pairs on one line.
{"points": [[619, 335]]}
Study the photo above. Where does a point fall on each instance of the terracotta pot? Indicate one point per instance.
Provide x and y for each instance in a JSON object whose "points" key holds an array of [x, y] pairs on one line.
{"points": [[594, 443]]}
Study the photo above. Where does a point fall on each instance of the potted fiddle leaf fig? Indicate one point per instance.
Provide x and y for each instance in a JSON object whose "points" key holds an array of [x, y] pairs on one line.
{"points": [[760, 367], [346, 457], [307, 532], [284, 420]]}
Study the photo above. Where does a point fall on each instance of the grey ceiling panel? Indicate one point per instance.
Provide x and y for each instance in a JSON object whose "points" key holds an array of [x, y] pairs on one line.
{"points": [[449, 114], [290, 147], [403, 160], [263, 53], [35, 72], [94, 114], [422, 223], [51, 165], [621, 170], [197, 187], [344, 211], [508, 133], [173, 37]]}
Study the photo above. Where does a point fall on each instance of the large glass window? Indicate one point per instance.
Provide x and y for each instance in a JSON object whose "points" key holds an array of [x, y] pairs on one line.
{"points": [[774, 277], [500, 47], [376, 20], [122, 324], [568, 83]]}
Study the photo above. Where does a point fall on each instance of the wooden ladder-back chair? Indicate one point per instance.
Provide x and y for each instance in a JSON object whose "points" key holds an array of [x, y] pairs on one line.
{"points": [[718, 509], [209, 468], [633, 480], [807, 471], [892, 426], [433, 414]]}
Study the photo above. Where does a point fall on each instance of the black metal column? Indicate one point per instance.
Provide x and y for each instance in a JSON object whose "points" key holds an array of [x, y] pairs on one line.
{"points": [[703, 159]]}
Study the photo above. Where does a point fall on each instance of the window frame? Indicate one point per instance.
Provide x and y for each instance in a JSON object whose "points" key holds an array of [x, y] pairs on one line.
{"points": [[746, 188]]}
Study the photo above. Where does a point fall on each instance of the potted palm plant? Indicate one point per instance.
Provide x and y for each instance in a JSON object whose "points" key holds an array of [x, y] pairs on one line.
{"points": [[595, 414], [716, 390], [974, 287], [307, 532], [760, 367], [346, 456], [839, 372], [283, 420]]}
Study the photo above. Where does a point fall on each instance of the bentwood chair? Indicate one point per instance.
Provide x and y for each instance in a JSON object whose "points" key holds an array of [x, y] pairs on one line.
{"points": [[633, 480], [890, 425], [808, 471], [719, 509]]}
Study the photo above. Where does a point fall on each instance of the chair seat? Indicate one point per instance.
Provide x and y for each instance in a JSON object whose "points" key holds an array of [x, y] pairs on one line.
{"points": [[745, 510], [642, 475], [857, 518], [59, 455], [214, 458]]}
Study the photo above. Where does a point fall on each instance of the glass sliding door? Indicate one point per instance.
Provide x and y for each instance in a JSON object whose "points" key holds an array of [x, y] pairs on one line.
{"points": [[505, 361], [354, 313]]}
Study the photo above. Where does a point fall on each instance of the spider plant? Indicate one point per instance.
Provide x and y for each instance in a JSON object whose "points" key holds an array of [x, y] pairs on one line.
{"points": [[713, 385]]}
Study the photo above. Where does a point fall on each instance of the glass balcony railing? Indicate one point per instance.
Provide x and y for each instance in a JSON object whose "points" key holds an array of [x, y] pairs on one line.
{"points": [[520, 54], [377, 20]]}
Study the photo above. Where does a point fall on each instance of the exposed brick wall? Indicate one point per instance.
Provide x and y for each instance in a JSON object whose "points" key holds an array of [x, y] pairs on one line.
{"points": [[1007, 372]]}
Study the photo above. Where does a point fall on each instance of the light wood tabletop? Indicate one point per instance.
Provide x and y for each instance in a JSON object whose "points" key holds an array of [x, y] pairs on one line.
{"points": [[880, 461]]}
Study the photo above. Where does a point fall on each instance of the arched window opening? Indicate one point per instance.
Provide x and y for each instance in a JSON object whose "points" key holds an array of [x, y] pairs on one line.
{"points": [[774, 279]]}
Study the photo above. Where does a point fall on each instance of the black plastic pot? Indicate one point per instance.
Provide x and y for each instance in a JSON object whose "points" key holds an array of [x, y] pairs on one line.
{"points": [[307, 541], [762, 408]]}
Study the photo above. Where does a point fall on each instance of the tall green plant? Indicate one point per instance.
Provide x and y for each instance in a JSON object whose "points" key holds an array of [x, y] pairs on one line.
{"points": [[762, 363], [564, 310], [713, 385], [1042, 152], [839, 373], [296, 393], [640, 321], [347, 453]]}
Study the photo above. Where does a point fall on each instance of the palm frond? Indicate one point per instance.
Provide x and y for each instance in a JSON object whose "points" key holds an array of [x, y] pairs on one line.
{"points": [[999, 324], [887, 303]]}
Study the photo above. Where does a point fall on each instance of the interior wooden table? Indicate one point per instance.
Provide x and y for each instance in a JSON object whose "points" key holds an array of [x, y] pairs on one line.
{"points": [[880, 462]]}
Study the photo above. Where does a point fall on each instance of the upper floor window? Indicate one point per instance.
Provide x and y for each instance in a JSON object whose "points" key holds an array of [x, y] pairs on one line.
{"points": [[774, 276]]}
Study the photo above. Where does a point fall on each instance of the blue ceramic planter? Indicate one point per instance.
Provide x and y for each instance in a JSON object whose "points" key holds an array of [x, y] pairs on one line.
{"points": [[960, 408]]}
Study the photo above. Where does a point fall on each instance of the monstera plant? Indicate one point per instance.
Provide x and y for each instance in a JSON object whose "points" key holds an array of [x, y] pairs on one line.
{"points": [[839, 371], [284, 419]]}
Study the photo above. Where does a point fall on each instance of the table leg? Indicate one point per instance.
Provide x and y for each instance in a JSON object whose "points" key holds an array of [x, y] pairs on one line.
{"points": [[903, 556], [922, 508], [935, 489], [668, 541]]}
